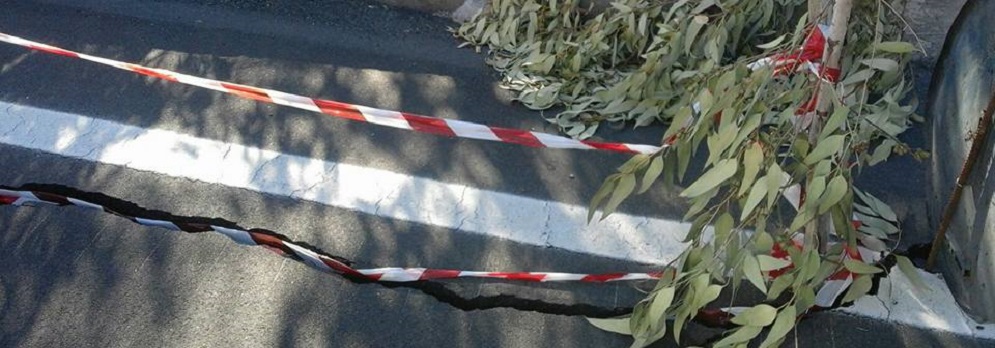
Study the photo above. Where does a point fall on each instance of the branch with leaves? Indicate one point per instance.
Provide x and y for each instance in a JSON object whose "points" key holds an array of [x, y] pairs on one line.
{"points": [[745, 103]]}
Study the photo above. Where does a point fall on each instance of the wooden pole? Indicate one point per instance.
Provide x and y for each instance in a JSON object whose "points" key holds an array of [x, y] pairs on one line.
{"points": [[979, 139], [819, 229]]}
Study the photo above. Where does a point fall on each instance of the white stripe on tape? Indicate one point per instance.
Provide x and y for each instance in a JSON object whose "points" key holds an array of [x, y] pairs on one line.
{"points": [[84, 204], [384, 117], [239, 236], [308, 256], [157, 223], [292, 100], [465, 129]]}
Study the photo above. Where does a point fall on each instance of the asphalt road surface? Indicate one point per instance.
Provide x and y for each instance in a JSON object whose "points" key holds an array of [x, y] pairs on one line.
{"points": [[81, 278]]}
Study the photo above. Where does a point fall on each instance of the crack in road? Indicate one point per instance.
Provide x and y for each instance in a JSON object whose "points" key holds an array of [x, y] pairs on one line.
{"points": [[546, 228], [255, 174], [19, 116], [462, 195]]}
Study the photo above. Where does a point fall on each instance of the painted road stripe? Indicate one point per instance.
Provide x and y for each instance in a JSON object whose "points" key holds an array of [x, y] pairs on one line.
{"points": [[367, 190], [398, 196]]}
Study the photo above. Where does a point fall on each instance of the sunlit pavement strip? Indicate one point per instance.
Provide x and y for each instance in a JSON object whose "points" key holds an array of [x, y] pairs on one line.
{"points": [[420, 200]]}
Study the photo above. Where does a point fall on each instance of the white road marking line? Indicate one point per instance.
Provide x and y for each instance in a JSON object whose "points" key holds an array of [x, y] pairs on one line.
{"points": [[398, 196], [367, 190]]}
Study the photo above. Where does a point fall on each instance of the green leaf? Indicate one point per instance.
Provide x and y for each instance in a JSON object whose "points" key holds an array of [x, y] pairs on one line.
{"points": [[835, 121], [751, 269], [782, 325], [773, 43], [877, 223], [661, 301], [760, 315], [652, 173], [763, 242], [883, 64], [881, 208], [722, 171], [723, 226], [697, 22], [616, 325], [882, 152], [895, 47], [804, 299], [757, 193], [606, 188], [910, 271], [835, 191], [626, 183], [768, 263], [779, 285], [707, 295], [859, 267], [827, 147], [775, 179], [752, 159], [814, 191], [861, 285], [741, 335], [859, 76]]}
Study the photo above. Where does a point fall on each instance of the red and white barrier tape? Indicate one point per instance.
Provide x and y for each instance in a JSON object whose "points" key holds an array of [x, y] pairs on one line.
{"points": [[315, 259], [808, 56], [388, 118], [282, 246]]}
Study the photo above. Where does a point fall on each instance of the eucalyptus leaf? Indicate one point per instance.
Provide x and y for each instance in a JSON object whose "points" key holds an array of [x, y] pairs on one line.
{"points": [[835, 191], [722, 171], [723, 226], [773, 43], [661, 301], [895, 46], [752, 159], [751, 269], [883, 64], [606, 189], [825, 148], [778, 285], [740, 335], [859, 267], [626, 184], [783, 324], [757, 194], [768, 263], [760, 315], [911, 272], [860, 287], [652, 172], [616, 325]]}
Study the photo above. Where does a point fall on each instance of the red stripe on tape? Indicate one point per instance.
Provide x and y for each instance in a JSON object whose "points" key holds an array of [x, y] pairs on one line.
{"points": [[617, 147], [516, 136], [248, 92], [439, 274], [55, 50], [152, 73], [518, 276], [334, 108], [428, 125], [339, 266], [7, 200], [601, 278]]}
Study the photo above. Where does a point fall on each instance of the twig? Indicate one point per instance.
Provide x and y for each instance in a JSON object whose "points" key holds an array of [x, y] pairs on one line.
{"points": [[819, 228], [907, 25], [980, 135]]}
